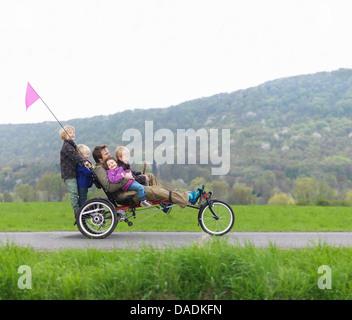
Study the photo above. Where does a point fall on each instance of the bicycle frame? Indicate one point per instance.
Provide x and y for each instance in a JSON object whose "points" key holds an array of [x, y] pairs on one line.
{"points": [[121, 210]]}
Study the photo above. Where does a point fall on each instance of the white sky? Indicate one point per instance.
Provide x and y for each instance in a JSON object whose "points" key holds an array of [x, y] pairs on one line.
{"points": [[97, 57]]}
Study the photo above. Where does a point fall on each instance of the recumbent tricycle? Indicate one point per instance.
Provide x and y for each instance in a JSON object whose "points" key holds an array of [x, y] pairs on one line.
{"points": [[98, 217]]}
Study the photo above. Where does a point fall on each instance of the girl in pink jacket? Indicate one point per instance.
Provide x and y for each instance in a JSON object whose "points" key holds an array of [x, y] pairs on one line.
{"points": [[116, 174]]}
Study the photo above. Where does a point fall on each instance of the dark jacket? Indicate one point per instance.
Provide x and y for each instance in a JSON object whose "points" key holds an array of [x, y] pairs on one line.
{"points": [[69, 157], [138, 176]]}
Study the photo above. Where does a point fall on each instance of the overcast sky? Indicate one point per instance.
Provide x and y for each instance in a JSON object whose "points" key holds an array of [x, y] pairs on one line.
{"points": [[98, 57]]}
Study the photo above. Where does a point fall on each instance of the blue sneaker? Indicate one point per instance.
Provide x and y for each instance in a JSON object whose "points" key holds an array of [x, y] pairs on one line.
{"points": [[166, 207], [194, 195]]}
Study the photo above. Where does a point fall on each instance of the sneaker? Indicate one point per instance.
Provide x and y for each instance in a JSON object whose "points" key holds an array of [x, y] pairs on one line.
{"points": [[145, 203], [194, 195], [166, 207]]}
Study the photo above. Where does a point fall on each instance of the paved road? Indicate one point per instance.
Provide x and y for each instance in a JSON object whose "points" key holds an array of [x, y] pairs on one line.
{"points": [[73, 239]]}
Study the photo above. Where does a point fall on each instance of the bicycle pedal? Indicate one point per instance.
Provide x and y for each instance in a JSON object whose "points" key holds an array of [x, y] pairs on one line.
{"points": [[129, 223]]}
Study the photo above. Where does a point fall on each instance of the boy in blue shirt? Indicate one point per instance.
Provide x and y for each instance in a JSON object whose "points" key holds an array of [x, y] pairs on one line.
{"points": [[84, 175]]}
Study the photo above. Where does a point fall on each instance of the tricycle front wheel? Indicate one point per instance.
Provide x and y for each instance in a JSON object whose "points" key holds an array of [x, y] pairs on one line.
{"points": [[216, 218]]}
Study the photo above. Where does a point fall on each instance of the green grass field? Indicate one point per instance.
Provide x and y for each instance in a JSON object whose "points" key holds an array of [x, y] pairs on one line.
{"points": [[49, 216], [213, 270]]}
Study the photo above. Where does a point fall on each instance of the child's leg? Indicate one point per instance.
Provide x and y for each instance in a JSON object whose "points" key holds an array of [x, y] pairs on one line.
{"points": [[71, 185], [141, 193], [82, 196]]}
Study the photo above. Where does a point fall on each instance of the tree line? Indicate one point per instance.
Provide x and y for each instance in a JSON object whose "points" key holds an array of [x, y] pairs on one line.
{"points": [[281, 131], [265, 190]]}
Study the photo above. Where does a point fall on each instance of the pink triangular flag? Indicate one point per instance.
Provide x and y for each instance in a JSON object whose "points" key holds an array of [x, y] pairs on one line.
{"points": [[31, 96]]}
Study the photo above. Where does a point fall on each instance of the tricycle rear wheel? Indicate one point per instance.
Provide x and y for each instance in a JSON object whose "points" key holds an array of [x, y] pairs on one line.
{"points": [[97, 218]]}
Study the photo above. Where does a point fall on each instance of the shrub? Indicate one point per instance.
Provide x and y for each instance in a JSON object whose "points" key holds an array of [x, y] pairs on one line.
{"points": [[322, 202], [281, 199], [348, 198]]}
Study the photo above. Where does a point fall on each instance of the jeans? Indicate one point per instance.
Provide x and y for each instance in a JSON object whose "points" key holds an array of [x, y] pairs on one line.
{"points": [[82, 195], [136, 186], [71, 185]]}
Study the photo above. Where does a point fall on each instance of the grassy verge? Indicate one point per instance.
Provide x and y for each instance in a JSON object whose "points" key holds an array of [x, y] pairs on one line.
{"points": [[58, 216], [215, 270]]}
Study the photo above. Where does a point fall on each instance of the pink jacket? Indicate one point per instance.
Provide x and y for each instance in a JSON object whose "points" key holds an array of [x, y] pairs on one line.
{"points": [[115, 176]]}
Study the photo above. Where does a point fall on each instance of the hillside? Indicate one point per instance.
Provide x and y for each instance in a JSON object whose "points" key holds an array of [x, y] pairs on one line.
{"points": [[290, 127]]}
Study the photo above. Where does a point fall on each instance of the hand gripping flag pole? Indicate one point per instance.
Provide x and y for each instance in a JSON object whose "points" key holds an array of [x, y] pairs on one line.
{"points": [[32, 96]]}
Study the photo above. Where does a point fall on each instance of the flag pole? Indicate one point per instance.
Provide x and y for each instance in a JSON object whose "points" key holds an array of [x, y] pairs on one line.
{"points": [[53, 114], [58, 121], [32, 96]]}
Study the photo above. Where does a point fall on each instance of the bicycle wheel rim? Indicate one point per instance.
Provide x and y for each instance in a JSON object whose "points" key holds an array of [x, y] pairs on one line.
{"points": [[213, 226], [97, 220]]}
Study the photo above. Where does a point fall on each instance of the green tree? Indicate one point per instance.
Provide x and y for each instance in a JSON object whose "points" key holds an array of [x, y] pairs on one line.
{"points": [[264, 186], [197, 183], [306, 191], [241, 195], [46, 185], [220, 189], [326, 192], [348, 197], [52, 186], [7, 197], [59, 187], [25, 192]]}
